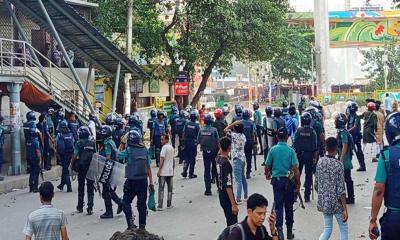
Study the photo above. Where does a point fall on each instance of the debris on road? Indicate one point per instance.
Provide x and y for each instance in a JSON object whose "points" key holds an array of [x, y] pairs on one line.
{"points": [[135, 234]]}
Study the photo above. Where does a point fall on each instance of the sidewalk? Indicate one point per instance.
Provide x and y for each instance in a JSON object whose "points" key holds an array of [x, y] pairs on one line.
{"points": [[13, 183]]}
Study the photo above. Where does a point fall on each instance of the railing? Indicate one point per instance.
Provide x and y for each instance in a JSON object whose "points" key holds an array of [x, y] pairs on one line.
{"points": [[44, 74]]}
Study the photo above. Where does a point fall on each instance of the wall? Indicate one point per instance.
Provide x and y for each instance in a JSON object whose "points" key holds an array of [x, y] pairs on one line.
{"points": [[164, 90]]}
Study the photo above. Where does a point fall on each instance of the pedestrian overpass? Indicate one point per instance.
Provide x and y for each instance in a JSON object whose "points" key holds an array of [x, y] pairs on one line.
{"points": [[356, 28]]}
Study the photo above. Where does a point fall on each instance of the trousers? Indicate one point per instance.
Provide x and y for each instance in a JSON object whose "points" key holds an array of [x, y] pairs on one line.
{"points": [[82, 171], [284, 198], [227, 208], [248, 151], [349, 183], [328, 226], [132, 189], [65, 161], [162, 180], [157, 148], [306, 161], [210, 168], [109, 195], [190, 157], [390, 225]]}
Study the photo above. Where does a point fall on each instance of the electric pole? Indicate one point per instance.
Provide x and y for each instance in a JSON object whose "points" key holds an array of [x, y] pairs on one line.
{"points": [[127, 93]]}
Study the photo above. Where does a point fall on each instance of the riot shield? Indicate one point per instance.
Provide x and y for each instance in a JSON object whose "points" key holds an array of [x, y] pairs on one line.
{"points": [[106, 171]]}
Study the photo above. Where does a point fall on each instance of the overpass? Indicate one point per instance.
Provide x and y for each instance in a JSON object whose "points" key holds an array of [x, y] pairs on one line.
{"points": [[356, 28]]}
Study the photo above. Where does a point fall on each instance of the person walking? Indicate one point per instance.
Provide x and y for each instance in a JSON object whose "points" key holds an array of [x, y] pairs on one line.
{"points": [[380, 117], [47, 138], [259, 126], [329, 184], [208, 139], [160, 128], [202, 114], [172, 122], [369, 129], [249, 130], [138, 175], [165, 172], [190, 134], [281, 167], [354, 128], [238, 158], [65, 149], [220, 123], [34, 156], [269, 130], [180, 123], [387, 185], [48, 222], [225, 182]]}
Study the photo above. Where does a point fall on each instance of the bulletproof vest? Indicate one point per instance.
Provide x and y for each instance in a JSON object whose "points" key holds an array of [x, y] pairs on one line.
{"points": [[304, 139], [86, 151], [179, 125], [159, 128], [136, 168], [31, 150], [117, 134], [280, 122], [392, 186], [191, 131], [220, 125], [65, 143], [248, 130], [150, 123], [73, 126], [113, 148], [352, 121], [207, 138], [172, 122], [30, 130]]}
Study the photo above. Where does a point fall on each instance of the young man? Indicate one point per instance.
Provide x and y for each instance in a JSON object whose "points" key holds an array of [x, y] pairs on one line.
{"points": [[202, 114], [259, 125], [387, 104], [225, 182], [252, 225], [166, 171], [282, 165], [370, 127], [329, 183], [47, 222]]}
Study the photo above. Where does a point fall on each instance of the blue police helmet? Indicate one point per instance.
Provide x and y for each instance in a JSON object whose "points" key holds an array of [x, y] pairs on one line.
{"points": [[174, 110], [63, 125], [119, 122], [208, 119], [134, 137], [313, 111], [193, 116], [182, 113], [61, 112], [106, 131], [30, 116], [256, 106], [133, 119], [83, 132], [238, 109], [277, 112], [110, 119], [153, 113], [160, 113], [306, 118], [340, 120], [392, 128], [269, 110], [246, 114]]}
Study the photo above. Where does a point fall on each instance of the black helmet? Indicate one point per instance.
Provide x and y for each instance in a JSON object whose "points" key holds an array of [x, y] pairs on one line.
{"points": [[246, 114], [92, 116], [353, 107], [30, 116], [160, 113], [312, 111], [110, 119], [285, 104], [134, 137], [277, 112], [306, 119], [256, 106], [269, 110], [153, 113], [392, 128], [119, 122], [340, 121], [106, 131], [83, 132]]}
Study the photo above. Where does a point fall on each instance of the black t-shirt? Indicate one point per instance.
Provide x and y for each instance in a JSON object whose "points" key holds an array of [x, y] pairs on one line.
{"points": [[224, 169], [237, 235]]}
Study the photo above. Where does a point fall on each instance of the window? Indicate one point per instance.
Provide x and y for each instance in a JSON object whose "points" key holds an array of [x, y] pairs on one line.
{"points": [[99, 92]]}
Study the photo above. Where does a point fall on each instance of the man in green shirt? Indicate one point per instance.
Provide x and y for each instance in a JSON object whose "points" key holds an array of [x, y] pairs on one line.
{"points": [[387, 185], [282, 165]]}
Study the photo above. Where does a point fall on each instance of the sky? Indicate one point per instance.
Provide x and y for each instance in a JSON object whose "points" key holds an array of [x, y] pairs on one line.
{"points": [[335, 5]]}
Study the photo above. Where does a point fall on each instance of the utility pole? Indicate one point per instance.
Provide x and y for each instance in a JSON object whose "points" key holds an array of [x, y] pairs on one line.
{"points": [[127, 94], [321, 26]]}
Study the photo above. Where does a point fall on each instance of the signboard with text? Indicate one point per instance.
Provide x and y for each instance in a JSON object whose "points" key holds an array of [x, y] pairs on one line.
{"points": [[181, 88]]}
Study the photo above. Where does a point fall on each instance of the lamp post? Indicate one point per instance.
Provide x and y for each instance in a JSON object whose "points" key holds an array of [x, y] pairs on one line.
{"points": [[385, 60]]}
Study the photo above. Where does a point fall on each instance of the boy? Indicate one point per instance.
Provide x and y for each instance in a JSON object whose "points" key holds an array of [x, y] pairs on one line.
{"points": [[166, 171]]}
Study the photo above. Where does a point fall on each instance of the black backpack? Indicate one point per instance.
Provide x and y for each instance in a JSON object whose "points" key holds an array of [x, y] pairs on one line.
{"points": [[227, 231]]}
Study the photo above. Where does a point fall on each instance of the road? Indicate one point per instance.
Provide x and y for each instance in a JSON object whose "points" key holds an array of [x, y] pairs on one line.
{"points": [[194, 216]]}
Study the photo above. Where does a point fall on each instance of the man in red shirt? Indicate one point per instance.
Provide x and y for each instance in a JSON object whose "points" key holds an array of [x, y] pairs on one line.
{"points": [[202, 114]]}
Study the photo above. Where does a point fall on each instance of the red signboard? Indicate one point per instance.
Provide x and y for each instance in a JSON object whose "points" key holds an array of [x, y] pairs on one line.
{"points": [[181, 88]]}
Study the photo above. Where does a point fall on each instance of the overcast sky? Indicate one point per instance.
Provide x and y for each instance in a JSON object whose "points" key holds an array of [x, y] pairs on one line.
{"points": [[308, 5]]}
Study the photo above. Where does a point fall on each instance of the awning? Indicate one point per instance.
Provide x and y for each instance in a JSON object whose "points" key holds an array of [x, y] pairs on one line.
{"points": [[78, 34]]}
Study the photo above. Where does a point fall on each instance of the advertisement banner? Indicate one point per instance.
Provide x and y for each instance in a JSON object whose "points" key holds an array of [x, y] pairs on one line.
{"points": [[182, 89]]}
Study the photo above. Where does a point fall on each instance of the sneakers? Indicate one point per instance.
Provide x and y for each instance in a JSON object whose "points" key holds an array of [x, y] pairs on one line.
{"points": [[183, 174], [79, 209], [306, 198], [248, 176], [106, 215], [290, 234], [69, 189]]}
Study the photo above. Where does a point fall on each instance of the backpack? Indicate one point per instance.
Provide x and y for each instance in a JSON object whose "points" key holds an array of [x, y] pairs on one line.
{"points": [[65, 143], [227, 231]]}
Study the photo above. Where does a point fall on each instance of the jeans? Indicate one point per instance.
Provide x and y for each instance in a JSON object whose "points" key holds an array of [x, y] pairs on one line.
{"points": [[390, 225], [173, 137], [248, 151], [358, 149], [240, 178], [328, 220], [34, 175], [162, 180], [210, 168], [227, 207], [306, 161], [132, 189], [284, 198]]}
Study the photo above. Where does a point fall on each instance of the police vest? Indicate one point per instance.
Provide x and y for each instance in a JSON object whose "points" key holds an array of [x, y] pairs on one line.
{"points": [[248, 130], [159, 128], [172, 122], [352, 122], [73, 126], [191, 131], [179, 125], [86, 151], [30, 130], [280, 123], [31, 151], [150, 123], [118, 133], [207, 139], [136, 168], [392, 186], [304, 140]]}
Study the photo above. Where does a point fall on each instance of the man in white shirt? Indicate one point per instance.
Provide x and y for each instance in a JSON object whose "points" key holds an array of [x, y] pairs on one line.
{"points": [[166, 171], [388, 104], [92, 126]]}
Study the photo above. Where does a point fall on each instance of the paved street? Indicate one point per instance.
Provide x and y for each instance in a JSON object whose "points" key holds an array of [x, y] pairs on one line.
{"points": [[194, 216]]}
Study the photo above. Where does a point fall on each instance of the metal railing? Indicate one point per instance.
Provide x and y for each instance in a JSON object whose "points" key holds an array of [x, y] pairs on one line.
{"points": [[45, 75]]}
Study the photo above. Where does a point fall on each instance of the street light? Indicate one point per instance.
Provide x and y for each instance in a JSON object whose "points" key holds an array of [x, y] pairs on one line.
{"points": [[385, 60]]}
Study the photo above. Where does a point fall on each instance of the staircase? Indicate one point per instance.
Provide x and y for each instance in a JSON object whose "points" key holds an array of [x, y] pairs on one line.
{"points": [[50, 79]]}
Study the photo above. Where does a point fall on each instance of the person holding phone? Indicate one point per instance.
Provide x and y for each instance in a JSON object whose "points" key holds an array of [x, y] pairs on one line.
{"points": [[330, 185]]}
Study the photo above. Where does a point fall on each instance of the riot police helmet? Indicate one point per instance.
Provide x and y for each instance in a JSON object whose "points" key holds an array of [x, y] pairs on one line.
{"points": [[306, 119], [208, 119], [134, 137], [193, 116], [63, 126], [246, 114], [269, 111], [83, 132], [61, 112], [256, 106], [133, 119], [353, 107], [160, 113], [106, 131], [50, 110], [392, 128], [30, 116], [110, 119], [285, 104], [238, 109], [119, 122], [277, 112], [153, 113], [182, 113], [174, 110], [340, 120], [313, 111]]}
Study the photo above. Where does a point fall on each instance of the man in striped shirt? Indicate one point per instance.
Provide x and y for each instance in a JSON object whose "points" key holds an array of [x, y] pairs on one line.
{"points": [[48, 222]]}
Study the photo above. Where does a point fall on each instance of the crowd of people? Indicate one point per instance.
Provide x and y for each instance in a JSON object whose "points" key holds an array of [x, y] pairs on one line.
{"points": [[289, 138]]}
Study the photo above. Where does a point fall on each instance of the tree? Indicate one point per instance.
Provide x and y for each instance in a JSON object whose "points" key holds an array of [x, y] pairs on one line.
{"points": [[373, 65], [205, 34], [295, 63]]}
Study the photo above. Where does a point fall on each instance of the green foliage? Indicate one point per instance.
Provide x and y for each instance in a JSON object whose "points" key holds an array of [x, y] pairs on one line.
{"points": [[295, 63], [373, 65]]}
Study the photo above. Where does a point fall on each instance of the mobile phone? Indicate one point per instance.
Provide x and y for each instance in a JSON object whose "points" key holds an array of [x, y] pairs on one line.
{"points": [[273, 208], [376, 232]]}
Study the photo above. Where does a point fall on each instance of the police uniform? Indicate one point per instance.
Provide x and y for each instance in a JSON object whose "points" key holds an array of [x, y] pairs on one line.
{"points": [[159, 129], [150, 126], [305, 144], [137, 165], [208, 140], [317, 126], [354, 120], [32, 147], [249, 130], [83, 151], [46, 153], [73, 127], [259, 126], [180, 123], [281, 159], [277, 123], [344, 137], [65, 150], [269, 136], [190, 133], [172, 123]]}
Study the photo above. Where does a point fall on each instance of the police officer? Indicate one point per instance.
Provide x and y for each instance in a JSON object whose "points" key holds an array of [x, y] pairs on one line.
{"points": [[172, 122], [319, 130], [3, 130], [190, 133], [220, 123], [345, 147], [277, 123], [135, 123], [150, 126], [387, 184], [33, 153], [109, 150], [281, 160], [258, 121], [160, 128], [354, 128], [73, 125], [238, 113], [137, 170], [45, 145], [208, 140], [285, 108], [302, 104], [58, 118], [269, 135], [249, 130], [83, 153], [119, 131], [65, 149], [50, 123], [305, 144], [180, 123]]}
